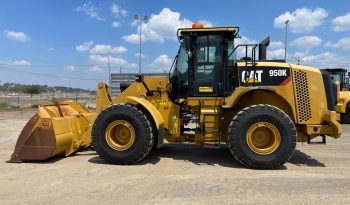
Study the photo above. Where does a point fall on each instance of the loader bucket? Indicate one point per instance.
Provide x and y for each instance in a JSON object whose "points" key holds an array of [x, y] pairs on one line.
{"points": [[55, 130]]}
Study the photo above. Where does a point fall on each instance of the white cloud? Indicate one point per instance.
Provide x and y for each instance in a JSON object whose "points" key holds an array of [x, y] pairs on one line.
{"points": [[206, 23], [118, 11], [341, 23], [104, 49], [275, 54], [323, 60], [70, 68], [90, 10], [21, 63], [244, 40], [133, 38], [137, 55], [16, 36], [161, 26], [161, 63], [240, 52], [302, 20], [306, 42], [343, 43], [95, 68], [276, 45], [115, 61], [51, 49], [85, 46], [16, 62], [115, 24]]}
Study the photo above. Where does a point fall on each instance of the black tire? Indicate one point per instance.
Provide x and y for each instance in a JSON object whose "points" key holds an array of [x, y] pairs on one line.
{"points": [[239, 147], [345, 117], [144, 137]]}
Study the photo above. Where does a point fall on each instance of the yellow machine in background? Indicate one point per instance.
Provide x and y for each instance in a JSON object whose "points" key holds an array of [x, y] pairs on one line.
{"points": [[341, 77], [259, 108]]}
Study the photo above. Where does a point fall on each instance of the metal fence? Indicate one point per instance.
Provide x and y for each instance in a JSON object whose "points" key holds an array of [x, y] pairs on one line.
{"points": [[13, 100], [117, 78]]}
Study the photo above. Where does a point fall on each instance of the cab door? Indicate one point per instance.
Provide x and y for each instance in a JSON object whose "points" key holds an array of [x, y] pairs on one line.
{"points": [[208, 65]]}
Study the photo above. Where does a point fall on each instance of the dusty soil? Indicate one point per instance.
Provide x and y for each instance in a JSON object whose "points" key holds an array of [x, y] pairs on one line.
{"points": [[175, 174]]}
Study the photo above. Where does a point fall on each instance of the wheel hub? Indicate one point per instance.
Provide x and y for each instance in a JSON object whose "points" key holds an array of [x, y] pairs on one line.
{"points": [[263, 138], [120, 135]]}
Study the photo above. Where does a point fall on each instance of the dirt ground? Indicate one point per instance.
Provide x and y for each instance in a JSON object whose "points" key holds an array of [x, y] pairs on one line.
{"points": [[175, 174]]}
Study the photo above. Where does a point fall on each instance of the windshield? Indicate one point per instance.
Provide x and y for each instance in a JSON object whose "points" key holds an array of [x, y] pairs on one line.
{"points": [[179, 77], [232, 57], [336, 77]]}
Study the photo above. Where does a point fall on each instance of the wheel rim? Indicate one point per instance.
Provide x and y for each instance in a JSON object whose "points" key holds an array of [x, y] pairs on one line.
{"points": [[263, 138], [120, 135]]}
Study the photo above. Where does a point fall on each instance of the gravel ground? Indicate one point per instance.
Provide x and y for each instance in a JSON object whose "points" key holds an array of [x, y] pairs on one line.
{"points": [[175, 174]]}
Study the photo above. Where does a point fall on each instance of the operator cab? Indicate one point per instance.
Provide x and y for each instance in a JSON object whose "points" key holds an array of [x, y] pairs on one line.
{"points": [[203, 66], [340, 75]]}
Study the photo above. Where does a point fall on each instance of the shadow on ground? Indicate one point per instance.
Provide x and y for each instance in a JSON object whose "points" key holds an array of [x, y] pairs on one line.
{"points": [[301, 159], [209, 156], [193, 154], [187, 153]]}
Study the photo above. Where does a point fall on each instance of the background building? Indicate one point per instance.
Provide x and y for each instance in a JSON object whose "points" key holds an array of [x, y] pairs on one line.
{"points": [[117, 78]]}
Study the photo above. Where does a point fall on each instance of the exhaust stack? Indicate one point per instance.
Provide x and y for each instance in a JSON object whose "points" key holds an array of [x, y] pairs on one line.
{"points": [[262, 48]]}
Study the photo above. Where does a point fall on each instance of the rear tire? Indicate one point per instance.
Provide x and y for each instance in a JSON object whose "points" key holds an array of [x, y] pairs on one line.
{"points": [[345, 117], [122, 134], [261, 137]]}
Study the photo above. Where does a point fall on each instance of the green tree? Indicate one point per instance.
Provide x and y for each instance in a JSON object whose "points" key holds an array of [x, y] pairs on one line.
{"points": [[32, 89]]}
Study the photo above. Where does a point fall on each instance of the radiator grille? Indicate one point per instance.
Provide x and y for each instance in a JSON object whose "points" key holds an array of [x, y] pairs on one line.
{"points": [[303, 98]]}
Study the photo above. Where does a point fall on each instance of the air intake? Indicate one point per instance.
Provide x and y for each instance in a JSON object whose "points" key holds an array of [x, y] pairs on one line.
{"points": [[303, 96]]}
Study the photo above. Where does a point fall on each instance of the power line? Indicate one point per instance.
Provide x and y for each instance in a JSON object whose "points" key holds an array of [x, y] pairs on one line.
{"points": [[52, 66], [46, 74]]}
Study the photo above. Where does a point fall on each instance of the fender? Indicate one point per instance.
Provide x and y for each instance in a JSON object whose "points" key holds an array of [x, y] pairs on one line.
{"points": [[247, 91], [156, 116]]}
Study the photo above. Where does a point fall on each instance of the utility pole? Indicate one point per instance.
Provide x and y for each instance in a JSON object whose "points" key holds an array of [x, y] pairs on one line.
{"points": [[141, 21], [109, 70], [120, 69], [298, 59], [285, 41]]}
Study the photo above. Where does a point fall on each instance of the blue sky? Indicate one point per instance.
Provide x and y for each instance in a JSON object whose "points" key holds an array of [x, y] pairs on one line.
{"points": [[59, 42]]}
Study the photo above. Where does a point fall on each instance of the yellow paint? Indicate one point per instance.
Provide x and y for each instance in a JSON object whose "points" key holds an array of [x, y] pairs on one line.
{"points": [[163, 110], [120, 135], [253, 80], [263, 138], [205, 89]]}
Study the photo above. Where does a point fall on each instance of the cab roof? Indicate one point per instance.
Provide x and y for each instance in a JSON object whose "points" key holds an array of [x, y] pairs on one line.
{"points": [[183, 31], [209, 29], [335, 69]]}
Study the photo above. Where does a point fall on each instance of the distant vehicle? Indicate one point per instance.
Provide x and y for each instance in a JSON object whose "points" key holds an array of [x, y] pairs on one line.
{"points": [[341, 76]]}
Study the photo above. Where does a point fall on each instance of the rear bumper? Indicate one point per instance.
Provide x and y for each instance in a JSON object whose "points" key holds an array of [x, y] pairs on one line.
{"points": [[332, 128]]}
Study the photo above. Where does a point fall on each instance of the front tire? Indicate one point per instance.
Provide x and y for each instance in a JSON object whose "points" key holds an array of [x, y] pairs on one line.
{"points": [[122, 134], [262, 137]]}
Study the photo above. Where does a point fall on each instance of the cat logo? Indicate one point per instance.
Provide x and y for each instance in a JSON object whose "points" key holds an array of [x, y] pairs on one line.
{"points": [[249, 77]]}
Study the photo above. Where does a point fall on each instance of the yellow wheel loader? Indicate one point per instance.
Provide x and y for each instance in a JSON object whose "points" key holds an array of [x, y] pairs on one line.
{"points": [[341, 77], [259, 108]]}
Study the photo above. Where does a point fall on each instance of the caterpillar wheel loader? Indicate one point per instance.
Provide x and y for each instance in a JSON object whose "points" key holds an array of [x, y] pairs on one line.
{"points": [[259, 108], [341, 76]]}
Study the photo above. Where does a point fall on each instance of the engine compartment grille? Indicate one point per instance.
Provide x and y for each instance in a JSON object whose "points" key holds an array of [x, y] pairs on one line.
{"points": [[303, 96]]}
